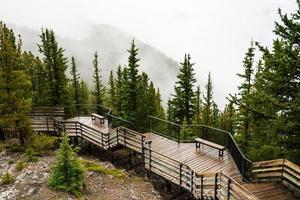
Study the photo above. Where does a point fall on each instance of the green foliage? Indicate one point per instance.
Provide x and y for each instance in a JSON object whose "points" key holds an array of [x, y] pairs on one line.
{"points": [[42, 142], [99, 89], [10, 161], [55, 66], [14, 87], [183, 107], [67, 174], [92, 166], [31, 155], [15, 147], [131, 79], [7, 178], [20, 165], [208, 102], [76, 97], [185, 131]]}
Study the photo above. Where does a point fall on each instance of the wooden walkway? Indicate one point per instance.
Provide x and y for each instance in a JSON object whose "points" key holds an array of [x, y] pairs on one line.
{"points": [[203, 160], [201, 172]]}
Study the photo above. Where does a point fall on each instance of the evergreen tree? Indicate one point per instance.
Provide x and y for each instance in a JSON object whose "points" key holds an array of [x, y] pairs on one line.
{"points": [[145, 102], [119, 86], [36, 70], [133, 79], [228, 119], [112, 92], [85, 96], [55, 65], [184, 95], [75, 84], [15, 100], [99, 89], [67, 174], [215, 116], [197, 106], [243, 98], [208, 102]]}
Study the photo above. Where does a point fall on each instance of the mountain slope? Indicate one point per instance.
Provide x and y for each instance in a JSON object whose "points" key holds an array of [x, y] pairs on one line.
{"points": [[112, 45]]}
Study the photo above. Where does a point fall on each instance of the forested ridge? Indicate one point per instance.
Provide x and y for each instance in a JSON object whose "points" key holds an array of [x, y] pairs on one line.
{"points": [[263, 116]]}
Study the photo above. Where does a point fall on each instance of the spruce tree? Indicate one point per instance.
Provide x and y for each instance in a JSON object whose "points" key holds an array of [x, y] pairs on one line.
{"points": [[76, 86], [14, 87], [55, 65], [112, 92], [85, 96], [228, 118], [99, 89], [184, 93], [243, 98], [67, 174], [132, 82], [208, 102], [119, 91], [198, 106]]}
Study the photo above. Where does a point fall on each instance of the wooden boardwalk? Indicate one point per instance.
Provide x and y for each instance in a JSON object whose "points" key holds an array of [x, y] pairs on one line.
{"points": [[203, 160], [202, 172]]}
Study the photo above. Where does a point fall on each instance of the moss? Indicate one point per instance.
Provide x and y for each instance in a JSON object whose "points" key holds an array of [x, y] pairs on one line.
{"points": [[96, 167]]}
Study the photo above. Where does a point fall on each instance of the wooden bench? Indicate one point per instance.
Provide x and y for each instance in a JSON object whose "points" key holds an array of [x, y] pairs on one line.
{"points": [[200, 141], [96, 116]]}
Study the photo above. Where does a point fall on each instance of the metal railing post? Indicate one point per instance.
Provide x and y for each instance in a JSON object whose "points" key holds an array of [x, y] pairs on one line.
{"points": [[216, 185], [228, 188]]}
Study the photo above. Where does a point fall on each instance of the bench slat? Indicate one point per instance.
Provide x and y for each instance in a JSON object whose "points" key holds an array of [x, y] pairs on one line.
{"points": [[211, 144]]}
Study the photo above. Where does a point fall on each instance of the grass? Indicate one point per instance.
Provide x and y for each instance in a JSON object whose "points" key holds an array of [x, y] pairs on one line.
{"points": [[96, 167]]}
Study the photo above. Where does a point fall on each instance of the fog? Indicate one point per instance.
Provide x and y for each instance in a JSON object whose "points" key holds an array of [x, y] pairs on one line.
{"points": [[216, 33]]}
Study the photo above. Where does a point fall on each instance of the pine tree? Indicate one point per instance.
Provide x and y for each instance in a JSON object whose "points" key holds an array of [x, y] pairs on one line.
{"points": [[208, 102], [184, 94], [14, 87], [243, 98], [197, 106], [99, 90], [112, 92], [215, 116], [118, 85], [133, 79], [85, 96], [75, 83], [36, 70], [67, 174], [228, 118], [55, 65], [145, 102]]}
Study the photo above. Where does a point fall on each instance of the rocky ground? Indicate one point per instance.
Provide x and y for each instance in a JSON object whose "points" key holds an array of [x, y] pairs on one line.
{"points": [[31, 182]]}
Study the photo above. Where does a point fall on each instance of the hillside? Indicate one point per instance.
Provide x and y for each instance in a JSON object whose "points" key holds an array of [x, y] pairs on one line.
{"points": [[111, 44]]}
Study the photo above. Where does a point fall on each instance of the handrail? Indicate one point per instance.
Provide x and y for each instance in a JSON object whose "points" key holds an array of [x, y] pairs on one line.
{"points": [[278, 170]]}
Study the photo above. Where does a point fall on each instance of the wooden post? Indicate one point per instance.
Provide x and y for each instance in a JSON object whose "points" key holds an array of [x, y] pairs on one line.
{"points": [[47, 124], [228, 188], [118, 135], [282, 169], [216, 185], [180, 172], [191, 186], [143, 140], [201, 186]]}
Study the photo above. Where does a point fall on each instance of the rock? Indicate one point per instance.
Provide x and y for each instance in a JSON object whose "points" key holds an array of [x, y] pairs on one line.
{"points": [[111, 176], [31, 191], [9, 194]]}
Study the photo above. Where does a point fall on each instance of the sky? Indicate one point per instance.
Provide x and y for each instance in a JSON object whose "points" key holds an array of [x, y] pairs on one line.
{"points": [[216, 33]]}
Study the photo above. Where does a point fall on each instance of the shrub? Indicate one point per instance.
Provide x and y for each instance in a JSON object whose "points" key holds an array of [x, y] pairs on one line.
{"points": [[15, 147], [10, 161], [20, 165], [31, 155], [41, 143], [7, 178], [67, 174]]}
